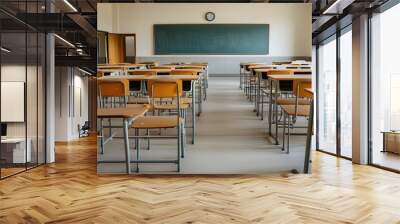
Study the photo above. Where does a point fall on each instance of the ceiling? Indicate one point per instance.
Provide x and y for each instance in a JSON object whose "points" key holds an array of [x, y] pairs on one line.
{"points": [[77, 22]]}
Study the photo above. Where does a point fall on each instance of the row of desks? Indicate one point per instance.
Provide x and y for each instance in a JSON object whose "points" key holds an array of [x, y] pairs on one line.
{"points": [[300, 74], [262, 75], [129, 114]]}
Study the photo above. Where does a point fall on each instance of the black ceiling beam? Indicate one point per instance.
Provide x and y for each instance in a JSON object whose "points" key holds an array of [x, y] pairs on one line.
{"points": [[49, 22], [76, 61]]}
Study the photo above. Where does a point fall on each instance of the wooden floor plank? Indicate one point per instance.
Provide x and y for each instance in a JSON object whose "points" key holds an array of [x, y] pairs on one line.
{"points": [[70, 191]]}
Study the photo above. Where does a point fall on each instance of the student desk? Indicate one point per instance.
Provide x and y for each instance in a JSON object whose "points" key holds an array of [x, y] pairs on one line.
{"points": [[13, 150], [158, 71], [274, 79], [120, 66], [262, 74], [128, 115], [244, 66], [193, 78], [108, 71]]}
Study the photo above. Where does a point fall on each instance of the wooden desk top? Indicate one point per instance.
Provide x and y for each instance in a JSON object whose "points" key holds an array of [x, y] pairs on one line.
{"points": [[169, 70], [260, 66], [252, 63], [291, 77], [157, 70], [119, 66], [191, 66], [132, 111], [191, 70], [309, 90], [109, 70], [263, 70], [152, 77]]}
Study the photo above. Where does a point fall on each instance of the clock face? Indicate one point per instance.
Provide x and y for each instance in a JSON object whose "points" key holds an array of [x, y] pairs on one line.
{"points": [[210, 16]]}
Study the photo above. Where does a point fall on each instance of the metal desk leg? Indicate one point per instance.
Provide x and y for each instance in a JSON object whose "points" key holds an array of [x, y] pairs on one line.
{"points": [[307, 160], [240, 77], [258, 88], [127, 149], [270, 108], [199, 84], [276, 113], [193, 111], [102, 136]]}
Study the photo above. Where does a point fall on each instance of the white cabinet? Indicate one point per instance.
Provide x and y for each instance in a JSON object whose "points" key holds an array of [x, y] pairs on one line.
{"points": [[17, 147]]}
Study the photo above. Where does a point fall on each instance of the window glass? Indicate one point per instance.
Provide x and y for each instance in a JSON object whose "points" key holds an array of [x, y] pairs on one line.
{"points": [[327, 97], [346, 94], [385, 84]]}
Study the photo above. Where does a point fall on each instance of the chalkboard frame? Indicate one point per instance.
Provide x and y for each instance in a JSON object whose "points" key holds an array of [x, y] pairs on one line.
{"points": [[162, 50]]}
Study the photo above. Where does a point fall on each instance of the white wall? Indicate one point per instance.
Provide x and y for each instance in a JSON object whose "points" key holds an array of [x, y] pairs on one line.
{"points": [[290, 24], [290, 28], [67, 116]]}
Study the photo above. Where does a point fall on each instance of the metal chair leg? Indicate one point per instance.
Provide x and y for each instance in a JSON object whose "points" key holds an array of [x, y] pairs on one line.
{"points": [[262, 106], [284, 131], [137, 149], [288, 141], [148, 139]]}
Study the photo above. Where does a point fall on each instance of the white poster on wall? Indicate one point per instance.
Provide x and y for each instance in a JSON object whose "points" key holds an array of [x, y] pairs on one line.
{"points": [[12, 101]]}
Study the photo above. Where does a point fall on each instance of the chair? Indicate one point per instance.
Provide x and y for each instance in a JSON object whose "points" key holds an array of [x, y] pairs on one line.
{"points": [[113, 92], [83, 131], [204, 77], [149, 64], [159, 90], [250, 80], [291, 112], [281, 62], [267, 90], [138, 88], [186, 85]]}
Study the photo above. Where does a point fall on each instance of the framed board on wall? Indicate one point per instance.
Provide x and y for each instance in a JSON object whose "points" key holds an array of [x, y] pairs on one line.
{"points": [[223, 39], [12, 101]]}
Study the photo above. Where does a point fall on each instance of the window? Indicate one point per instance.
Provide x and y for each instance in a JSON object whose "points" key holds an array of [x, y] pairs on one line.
{"points": [[385, 89], [22, 77], [327, 96], [346, 93]]}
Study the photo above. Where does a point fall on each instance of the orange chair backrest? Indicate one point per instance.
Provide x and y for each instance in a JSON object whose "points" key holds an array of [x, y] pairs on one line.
{"points": [[280, 72], [183, 72], [142, 72], [299, 87], [165, 89], [261, 66], [113, 88], [100, 74]]}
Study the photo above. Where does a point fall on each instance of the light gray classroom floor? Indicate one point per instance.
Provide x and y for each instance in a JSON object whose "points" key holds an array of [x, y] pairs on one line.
{"points": [[231, 139]]}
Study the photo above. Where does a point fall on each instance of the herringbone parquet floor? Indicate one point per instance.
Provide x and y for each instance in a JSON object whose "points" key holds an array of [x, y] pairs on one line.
{"points": [[70, 191]]}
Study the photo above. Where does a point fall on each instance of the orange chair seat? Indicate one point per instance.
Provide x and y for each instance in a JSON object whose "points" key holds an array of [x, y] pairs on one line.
{"points": [[302, 110], [171, 106], [149, 122], [292, 101]]}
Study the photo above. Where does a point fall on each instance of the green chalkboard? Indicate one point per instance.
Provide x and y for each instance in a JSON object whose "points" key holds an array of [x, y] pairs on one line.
{"points": [[211, 39]]}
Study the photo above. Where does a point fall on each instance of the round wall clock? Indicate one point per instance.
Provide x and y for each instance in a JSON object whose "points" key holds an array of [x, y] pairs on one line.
{"points": [[210, 16]]}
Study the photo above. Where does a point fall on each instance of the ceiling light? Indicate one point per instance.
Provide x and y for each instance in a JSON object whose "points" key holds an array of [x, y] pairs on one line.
{"points": [[327, 11], [5, 50], [70, 5], [64, 40], [84, 71]]}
